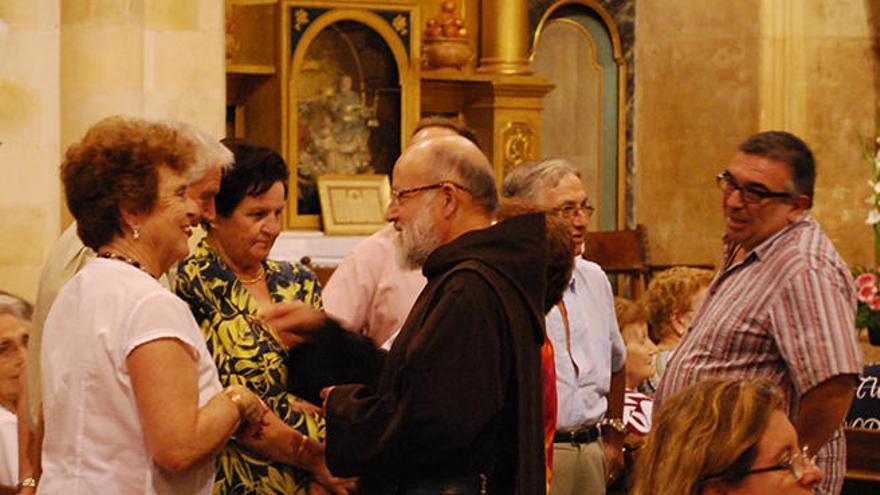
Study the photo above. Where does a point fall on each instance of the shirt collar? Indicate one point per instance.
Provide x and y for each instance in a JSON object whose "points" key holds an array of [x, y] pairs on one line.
{"points": [[762, 250]]}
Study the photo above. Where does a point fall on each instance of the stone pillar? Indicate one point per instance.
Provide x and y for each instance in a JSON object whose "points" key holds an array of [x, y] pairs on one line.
{"points": [[185, 62], [162, 59], [504, 37], [156, 59], [65, 65], [783, 73], [102, 55], [29, 141]]}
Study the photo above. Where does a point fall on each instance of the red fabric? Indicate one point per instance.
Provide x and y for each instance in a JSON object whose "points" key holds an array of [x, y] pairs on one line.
{"points": [[637, 410], [548, 376]]}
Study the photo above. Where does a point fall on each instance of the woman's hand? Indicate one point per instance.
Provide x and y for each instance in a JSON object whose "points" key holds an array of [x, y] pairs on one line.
{"points": [[296, 322], [305, 407], [311, 455], [251, 409]]}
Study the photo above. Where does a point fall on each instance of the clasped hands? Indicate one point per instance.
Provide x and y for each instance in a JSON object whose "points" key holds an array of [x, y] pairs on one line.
{"points": [[251, 409]]}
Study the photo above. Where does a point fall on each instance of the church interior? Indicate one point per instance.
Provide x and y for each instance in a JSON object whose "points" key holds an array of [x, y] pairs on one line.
{"points": [[648, 99]]}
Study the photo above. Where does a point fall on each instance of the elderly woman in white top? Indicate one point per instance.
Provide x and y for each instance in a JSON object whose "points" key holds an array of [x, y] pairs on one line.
{"points": [[15, 317], [131, 397]]}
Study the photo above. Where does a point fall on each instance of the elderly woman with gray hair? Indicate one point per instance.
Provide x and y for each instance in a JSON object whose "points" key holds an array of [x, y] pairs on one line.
{"points": [[15, 317]]}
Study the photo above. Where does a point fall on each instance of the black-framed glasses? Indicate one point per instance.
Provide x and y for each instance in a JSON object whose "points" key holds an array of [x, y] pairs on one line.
{"points": [[398, 197], [569, 211], [750, 194], [799, 464]]}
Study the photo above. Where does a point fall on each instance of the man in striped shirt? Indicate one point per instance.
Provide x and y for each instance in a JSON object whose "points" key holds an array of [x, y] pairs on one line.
{"points": [[783, 303]]}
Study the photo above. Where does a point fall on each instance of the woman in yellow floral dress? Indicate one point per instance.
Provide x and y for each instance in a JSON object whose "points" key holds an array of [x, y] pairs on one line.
{"points": [[227, 281]]}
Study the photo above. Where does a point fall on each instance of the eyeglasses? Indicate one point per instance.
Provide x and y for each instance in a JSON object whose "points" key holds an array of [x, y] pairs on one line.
{"points": [[751, 194], [799, 464], [569, 211], [398, 197]]}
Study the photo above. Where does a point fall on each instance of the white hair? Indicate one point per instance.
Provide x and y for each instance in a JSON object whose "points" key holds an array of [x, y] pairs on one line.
{"points": [[209, 151], [529, 180]]}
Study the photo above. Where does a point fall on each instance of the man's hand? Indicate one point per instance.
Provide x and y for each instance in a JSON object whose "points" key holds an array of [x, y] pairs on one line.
{"points": [[325, 394], [613, 439], [296, 322], [312, 458], [614, 459]]}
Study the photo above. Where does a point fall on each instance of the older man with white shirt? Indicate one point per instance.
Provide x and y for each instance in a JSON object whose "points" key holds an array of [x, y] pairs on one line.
{"points": [[589, 351]]}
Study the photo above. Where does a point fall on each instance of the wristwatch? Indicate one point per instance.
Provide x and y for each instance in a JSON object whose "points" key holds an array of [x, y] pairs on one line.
{"points": [[616, 423], [28, 482]]}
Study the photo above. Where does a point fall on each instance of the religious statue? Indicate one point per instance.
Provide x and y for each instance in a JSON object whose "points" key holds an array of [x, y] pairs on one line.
{"points": [[334, 134]]}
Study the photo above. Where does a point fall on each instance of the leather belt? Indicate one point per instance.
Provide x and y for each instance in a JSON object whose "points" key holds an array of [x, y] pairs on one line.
{"points": [[586, 434]]}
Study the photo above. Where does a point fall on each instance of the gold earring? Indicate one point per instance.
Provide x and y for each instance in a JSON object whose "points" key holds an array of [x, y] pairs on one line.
{"points": [[136, 233]]}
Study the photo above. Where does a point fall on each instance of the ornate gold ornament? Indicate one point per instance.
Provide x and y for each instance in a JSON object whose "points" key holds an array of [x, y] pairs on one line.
{"points": [[445, 42], [400, 25], [517, 138], [302, 18]]}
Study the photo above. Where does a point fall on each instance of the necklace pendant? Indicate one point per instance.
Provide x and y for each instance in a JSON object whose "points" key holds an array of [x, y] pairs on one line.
{"points": [[250, 281]]}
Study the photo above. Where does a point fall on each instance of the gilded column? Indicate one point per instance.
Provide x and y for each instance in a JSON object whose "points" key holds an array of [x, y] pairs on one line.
{"points": [[504, 37]]}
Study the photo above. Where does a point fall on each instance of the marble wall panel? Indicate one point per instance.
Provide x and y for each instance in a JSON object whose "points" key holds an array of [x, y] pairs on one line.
{"points": [[183, 81], [26, 221], [162, 15], [102, 59], [94, 13], [184, 63], [696, 99], [839, 98], [19, 107], [29, 153]]}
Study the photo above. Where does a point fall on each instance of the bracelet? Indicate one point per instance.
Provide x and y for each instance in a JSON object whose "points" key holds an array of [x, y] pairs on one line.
{"points": [[302, 446], [616, 423], [28, 482], [234, 396]]}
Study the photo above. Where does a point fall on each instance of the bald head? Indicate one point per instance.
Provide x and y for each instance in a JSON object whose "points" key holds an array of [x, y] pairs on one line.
{"points": [[434, 127], [454, 159], [431, 132]]}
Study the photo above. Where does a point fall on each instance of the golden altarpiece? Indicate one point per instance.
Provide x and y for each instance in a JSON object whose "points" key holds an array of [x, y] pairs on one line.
{"points": [[337, 86]]}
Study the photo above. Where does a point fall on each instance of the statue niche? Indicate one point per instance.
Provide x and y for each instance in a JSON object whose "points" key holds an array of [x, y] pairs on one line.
{"points": [[348, 106]]}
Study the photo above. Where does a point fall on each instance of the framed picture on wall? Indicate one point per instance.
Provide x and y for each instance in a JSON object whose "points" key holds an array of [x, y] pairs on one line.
{"points": [[353, 204]]}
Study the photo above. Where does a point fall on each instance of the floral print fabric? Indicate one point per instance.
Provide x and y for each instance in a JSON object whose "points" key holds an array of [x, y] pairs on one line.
{"points": [[247, 352]]}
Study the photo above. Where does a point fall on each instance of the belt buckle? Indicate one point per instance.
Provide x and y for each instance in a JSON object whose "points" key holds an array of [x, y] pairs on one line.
{"points": [[577, 431]]}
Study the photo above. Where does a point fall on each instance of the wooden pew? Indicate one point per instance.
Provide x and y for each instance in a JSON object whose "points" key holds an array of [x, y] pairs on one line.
{"points": [[621, 253], [862, 462]]}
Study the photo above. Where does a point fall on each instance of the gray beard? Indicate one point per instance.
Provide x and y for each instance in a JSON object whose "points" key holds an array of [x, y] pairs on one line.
{"points": [[417, 241]]}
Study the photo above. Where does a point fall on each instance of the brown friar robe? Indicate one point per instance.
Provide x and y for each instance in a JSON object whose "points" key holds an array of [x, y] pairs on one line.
{"points": [[459, 394]]}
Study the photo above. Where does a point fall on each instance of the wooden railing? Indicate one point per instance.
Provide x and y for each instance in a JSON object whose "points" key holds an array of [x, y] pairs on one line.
{"points": [[862, 462]]}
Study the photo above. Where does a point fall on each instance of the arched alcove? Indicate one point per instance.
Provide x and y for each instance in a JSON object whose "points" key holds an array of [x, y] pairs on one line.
{"points": [[352, 95], [577, 49]]}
